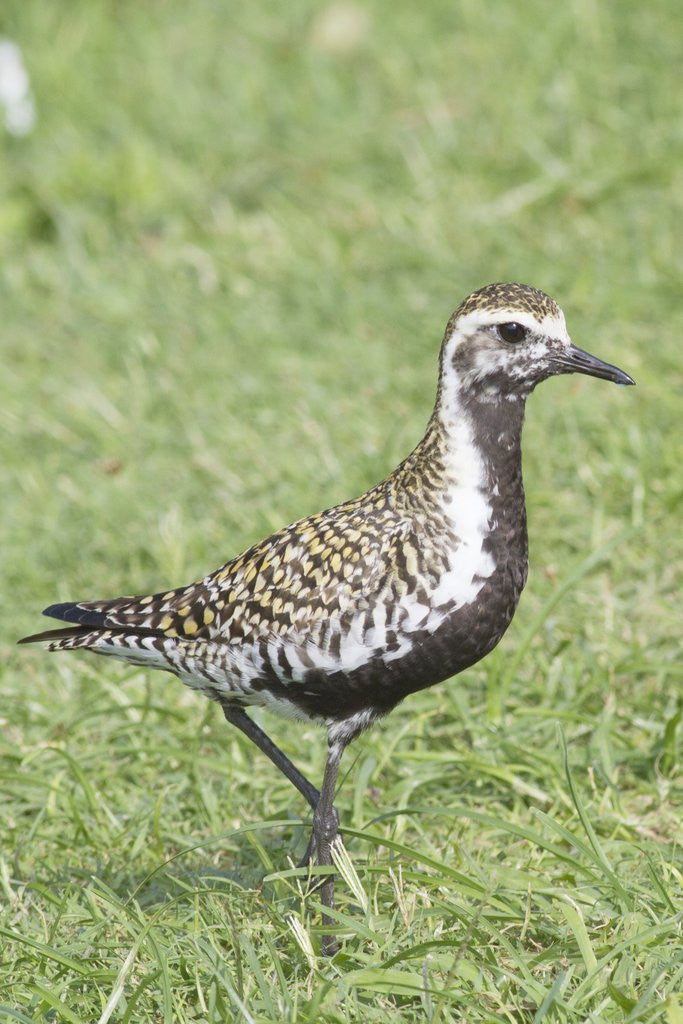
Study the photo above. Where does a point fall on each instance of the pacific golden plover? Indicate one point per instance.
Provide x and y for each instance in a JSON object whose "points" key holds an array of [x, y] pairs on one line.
{"points": [[338, 617]]}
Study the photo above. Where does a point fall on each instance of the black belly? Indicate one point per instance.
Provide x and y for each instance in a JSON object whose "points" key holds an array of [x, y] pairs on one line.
{"points": [[466, 635]]}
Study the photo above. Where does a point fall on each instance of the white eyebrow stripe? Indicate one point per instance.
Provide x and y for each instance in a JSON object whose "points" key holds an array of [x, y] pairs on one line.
{"points": [[552, 326]]}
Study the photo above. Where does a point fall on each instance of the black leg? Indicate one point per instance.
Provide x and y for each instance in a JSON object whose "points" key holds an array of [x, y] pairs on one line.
{"points": [[325, 817], [325, 830], [236, 716]]}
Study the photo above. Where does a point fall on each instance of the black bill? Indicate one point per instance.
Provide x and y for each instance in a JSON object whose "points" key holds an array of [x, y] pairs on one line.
{"points": [[575, 360]]}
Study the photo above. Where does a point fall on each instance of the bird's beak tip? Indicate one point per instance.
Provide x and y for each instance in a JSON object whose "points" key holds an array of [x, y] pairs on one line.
{"points": [[576, 360]]}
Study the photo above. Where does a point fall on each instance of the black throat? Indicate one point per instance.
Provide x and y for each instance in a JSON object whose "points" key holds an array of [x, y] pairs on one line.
{"points": [[497, 432]]}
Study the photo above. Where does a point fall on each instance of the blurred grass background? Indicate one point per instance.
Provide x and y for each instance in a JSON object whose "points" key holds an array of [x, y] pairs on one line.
{"points": [[228, 250]]}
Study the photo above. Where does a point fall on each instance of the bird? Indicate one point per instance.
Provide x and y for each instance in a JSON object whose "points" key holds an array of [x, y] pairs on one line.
{"points": [[338, 617]]}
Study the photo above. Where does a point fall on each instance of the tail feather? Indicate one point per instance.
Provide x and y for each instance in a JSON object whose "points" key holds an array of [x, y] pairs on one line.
{"points": [[93, 626], [63, 634], [126, 623]]}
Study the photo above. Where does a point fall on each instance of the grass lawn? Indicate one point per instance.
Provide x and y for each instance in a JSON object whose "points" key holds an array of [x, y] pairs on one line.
{"points": [[228, 251]]}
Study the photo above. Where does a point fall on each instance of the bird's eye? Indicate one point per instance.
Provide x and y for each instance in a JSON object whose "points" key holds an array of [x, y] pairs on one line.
{"points": [[512, 333]]}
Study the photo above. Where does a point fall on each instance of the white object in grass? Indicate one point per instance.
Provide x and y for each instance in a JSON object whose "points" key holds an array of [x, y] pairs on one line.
{"points": [[15, 90]]}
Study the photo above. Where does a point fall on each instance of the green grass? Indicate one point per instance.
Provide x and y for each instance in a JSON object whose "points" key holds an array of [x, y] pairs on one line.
{"points": [[228, 251]]}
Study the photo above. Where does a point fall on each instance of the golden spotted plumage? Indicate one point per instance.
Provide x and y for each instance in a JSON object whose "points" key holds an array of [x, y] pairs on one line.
{"points": [[341, 615], [325, 564]]}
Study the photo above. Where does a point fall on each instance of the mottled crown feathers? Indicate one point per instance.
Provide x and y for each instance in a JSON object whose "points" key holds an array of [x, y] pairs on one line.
{"points": [[509, 296]]}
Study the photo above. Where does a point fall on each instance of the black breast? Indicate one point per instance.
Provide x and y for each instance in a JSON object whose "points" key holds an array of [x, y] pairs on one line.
{"points": [[469, 632]]}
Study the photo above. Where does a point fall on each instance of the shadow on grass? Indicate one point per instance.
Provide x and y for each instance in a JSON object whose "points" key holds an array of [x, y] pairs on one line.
{"points": [[245, 870]]}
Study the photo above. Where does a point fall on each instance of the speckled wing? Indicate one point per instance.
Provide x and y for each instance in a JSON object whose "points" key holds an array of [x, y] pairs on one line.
{"points": [[325, 567]]}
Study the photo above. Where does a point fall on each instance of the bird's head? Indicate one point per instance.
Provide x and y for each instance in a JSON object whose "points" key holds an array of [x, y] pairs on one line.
{"points": [[505, 338]]}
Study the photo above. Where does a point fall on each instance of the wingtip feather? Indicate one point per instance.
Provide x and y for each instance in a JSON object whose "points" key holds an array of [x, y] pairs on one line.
{"points": [[72, 611]]}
